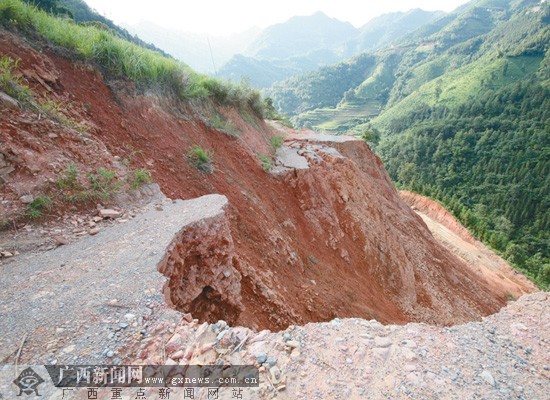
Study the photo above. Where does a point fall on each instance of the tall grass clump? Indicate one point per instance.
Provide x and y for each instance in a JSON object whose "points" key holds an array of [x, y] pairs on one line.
{"points": [[11, 84], [125, 59]]}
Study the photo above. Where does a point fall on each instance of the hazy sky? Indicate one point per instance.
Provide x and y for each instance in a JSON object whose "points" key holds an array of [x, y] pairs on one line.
{"points": [[229, 16]]}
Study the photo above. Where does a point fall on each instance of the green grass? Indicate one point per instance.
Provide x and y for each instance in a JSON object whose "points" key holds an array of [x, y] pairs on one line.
{"points": [[69, 178], [201, 159], [220, 123], [121, 58], [53, 110], [267, 162], [459, 86], [11, 84], [103, 184], [72, 188], [276, 141], [140, 177], [37, 207]]}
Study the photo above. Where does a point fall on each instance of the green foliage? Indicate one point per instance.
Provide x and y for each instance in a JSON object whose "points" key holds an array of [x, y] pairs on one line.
{"points": [[276, 141], [271, 113], [371, 135], [53, 110], [201, 159], [489, 163], [103, 184], [267, 162], [51, 6], [322, 88], [37, 207], [11, 84], [69, 178], [84, 15], [462, 107], [218, 122], [72, 188], [121, 58], [140, 177]]}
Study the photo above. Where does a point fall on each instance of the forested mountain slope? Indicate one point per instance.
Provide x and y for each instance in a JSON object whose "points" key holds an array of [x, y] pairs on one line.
{"points": [[460, 112]]}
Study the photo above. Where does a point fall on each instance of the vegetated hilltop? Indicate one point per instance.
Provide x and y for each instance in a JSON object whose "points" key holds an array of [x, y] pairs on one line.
{"points": [[83, 14], [203, 52], [459, 111], [306, 43], [87, 115]]}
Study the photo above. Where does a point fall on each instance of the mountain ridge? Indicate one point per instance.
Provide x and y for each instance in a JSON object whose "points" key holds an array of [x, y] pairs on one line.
{"points": [[444, 86], [306, 43]]}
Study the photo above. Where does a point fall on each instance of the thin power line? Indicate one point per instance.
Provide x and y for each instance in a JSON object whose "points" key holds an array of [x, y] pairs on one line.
{"points": [[212, 56]]}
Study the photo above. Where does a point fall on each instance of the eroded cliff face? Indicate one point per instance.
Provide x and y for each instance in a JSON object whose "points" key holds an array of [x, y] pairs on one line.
{"points": [[201, 276], [329, 239]]}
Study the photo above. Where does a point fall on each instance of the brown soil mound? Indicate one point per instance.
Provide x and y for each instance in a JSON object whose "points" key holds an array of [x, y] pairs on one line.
{"points": [[334, 240]]}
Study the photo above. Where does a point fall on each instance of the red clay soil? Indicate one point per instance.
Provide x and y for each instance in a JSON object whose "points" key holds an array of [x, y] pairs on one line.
{"points": [[332, 241], [437, 212], [485, 263]]}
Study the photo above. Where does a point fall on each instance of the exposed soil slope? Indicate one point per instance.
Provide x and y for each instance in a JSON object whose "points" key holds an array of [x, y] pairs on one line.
{"points": [[332, 240], [485, 263]]}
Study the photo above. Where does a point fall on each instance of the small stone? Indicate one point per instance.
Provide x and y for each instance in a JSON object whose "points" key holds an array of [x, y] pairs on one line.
{"points": [[60, 240], [123, 325], [382, 341], [275, 375], [293, 344], [380, 352], [413, 378], [486, 375], [109, 213], [110, 353], [188, 318], [94, 231], [6, 254], [408, 354], [261, 358], [69, 349], [271, 361], [8, 101], [27, 199]]}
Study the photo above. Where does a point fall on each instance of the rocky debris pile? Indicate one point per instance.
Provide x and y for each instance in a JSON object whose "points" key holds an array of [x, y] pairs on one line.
{"points": [[504, 356], [300, 154], [70, 227]]}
